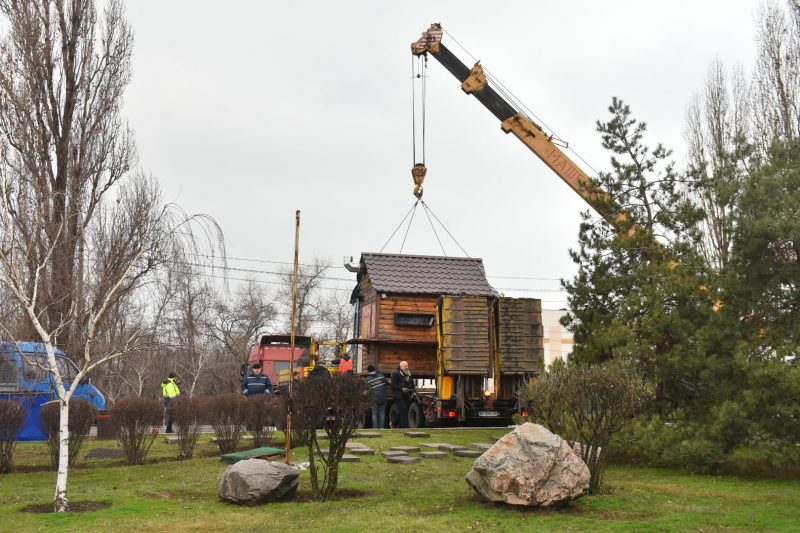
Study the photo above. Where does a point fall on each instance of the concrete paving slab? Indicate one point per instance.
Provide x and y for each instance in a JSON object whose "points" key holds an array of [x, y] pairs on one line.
{"points": [[391, 453], [351, 445], [416, 434], [349, 458], [480, 446], [362, 451], [467, 453], [403, 459], [434, 445], [171, 440], [407, 449], [451, 447], [368, 435], [434, 455]]}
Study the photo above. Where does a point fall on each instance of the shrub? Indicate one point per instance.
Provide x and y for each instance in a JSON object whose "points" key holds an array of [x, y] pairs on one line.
{"points": [[187, 415], [589, 404], [12, 416], [262, 410], [227, 414], [136, 422], [338, 405], [281, 413], [81, 418]]}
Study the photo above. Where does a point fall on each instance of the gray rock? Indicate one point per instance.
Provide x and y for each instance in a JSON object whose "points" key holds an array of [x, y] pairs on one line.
{"points": [[403, 459], [529, 466], [257, 481]]}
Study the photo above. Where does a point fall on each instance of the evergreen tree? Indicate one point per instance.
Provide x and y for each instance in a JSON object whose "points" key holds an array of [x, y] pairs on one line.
{"points": [[641, 294]]}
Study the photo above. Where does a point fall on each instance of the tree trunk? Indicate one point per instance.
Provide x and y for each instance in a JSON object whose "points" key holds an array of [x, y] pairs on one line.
{"points": [[61, 503]]}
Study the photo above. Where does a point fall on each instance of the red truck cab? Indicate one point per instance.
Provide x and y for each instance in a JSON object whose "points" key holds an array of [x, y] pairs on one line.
{"points": [[272, 351]]}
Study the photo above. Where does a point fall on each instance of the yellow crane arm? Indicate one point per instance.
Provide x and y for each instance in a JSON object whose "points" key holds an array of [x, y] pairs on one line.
{"points": [[474, 82]]}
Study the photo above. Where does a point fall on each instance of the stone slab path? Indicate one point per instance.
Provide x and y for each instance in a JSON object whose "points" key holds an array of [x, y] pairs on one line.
{"points": [[416, 434], [406, 449], [480, 446], [368, 435], [403, 459], [467, 453], [391, 453], [434, 455]]}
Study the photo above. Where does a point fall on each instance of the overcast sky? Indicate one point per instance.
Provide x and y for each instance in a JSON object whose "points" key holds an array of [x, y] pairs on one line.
{"points": [[250, 111]]}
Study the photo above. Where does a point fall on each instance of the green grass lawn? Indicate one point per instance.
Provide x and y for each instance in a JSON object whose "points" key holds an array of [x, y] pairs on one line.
{"points": [[168, 495]]}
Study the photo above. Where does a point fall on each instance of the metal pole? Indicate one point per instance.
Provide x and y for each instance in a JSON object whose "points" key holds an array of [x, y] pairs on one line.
{"points": [[291, 339]]}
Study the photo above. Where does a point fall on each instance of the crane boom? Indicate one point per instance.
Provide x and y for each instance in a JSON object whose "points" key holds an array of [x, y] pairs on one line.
{"points": [[473, 81]]}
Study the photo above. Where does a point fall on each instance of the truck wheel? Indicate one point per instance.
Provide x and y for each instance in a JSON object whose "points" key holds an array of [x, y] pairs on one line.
{"points": [[416, 416]]}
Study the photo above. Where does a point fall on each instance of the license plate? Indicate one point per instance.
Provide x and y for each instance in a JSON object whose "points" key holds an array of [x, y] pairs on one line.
{"points": [[488, 413]]}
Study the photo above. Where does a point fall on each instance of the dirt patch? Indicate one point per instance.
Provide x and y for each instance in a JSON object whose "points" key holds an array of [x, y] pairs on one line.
{"points": [[344, 494], [81, 506]]}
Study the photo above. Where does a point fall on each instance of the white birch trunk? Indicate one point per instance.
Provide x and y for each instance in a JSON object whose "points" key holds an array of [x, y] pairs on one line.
{"points": [[61, 502]]}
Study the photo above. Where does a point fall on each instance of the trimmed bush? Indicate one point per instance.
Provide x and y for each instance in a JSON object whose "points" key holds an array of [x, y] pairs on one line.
{"points": [[12, 416], [187, 414], [227, 414], [81, 418], [262, 410], [136, 422]]}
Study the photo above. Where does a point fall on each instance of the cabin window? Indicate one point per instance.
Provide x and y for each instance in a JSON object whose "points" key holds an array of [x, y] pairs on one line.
{"points": [[413, 319]]}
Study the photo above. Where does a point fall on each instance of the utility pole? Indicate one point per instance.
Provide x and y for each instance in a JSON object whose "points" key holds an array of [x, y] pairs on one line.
{"points": [[291, 339]]}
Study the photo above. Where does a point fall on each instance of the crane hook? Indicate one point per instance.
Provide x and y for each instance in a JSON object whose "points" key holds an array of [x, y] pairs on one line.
{"points": [[418, 173]]}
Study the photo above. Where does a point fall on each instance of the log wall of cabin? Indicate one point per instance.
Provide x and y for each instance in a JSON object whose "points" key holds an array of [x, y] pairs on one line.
{"points": [[388, 330], [386, 357]]}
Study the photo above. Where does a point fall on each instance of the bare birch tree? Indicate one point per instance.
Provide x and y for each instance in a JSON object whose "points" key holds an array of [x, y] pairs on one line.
{"points": [[79, 233]]}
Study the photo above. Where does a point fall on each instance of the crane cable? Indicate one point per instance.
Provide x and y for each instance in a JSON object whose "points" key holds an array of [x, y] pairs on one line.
{"points": [[520, 105]]}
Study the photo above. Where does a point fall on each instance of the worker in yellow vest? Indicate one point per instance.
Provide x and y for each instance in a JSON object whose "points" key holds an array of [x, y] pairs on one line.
{"points": [[170, 389]]}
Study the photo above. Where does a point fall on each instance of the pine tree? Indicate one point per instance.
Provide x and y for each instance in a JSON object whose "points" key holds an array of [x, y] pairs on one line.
{"points": [[641, 295]]}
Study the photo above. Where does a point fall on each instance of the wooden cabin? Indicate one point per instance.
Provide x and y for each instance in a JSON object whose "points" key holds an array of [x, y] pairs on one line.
{"points": [[395, 303]]}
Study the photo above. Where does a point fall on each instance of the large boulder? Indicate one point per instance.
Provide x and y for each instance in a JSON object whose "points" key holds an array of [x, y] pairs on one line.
{"points": [[255, 481], [530, 466]]}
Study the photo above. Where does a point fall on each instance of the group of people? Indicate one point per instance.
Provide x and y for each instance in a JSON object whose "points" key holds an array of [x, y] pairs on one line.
{"points": [[402, 386], [257, 382]]}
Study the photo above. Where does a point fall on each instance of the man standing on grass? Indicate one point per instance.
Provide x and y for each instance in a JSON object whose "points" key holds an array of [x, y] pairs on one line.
{"points": [[170, 389], [256, 383], [402, 389], [377, 385]]}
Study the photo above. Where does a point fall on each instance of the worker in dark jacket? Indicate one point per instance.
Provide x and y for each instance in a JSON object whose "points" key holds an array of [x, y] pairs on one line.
{"points": [[402, 389], [256, 383], [320, 371], [377, 386]]}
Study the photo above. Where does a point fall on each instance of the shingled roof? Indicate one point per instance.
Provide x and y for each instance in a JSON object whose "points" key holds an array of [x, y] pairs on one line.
{"points": [[421, 274]]}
